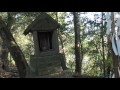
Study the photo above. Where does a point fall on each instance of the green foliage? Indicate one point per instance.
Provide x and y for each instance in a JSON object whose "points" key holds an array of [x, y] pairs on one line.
{"points": [[90, 36]]}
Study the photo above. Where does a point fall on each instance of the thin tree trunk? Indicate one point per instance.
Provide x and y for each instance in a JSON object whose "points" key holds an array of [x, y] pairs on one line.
{"points": [[61, 41], [81, 49], [114, 57], [63, 52], [103, 52], [78, 62], [108, 68], [14, 49]]}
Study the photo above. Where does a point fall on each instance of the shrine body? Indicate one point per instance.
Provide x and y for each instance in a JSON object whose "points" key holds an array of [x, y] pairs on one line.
{"points": [[47, 59]]}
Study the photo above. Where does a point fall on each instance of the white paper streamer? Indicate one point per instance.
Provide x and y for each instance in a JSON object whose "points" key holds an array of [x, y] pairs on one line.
{"points": [[118, 32], [113, 45], [118, 45], [116, 48]]}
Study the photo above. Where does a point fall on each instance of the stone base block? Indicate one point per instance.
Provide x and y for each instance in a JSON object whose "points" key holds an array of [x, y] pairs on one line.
{"points": [[45, 65]]}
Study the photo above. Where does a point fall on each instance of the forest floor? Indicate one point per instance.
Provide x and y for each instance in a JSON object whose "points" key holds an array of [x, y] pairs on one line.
{"points": [[11, 73], [67, 74]]}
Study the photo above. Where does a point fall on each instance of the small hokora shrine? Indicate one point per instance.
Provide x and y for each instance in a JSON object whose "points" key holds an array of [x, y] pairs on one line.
{"points": [[47, 59]]}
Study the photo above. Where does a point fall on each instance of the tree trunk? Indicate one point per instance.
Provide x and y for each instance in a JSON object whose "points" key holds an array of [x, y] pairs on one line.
{"points": [[5, 51], [114, 57], [115, 64], [14, 49], [63, 52], [81, 49], [103, 52], [108, 68], [4, 57], [78, 61]]}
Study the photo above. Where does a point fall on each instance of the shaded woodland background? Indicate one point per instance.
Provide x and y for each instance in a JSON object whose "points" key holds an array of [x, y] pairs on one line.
{"points": [[82, 40]]}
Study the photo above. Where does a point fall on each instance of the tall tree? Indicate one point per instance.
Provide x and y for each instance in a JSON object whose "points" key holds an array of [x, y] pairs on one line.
{"points": [[4, 53], [103, 52], [4, 57], [114, 57], [14, 49], [78, 61]]}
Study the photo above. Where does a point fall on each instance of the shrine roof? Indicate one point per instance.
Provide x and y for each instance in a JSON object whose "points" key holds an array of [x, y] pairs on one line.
{"points": [[43, 22]]}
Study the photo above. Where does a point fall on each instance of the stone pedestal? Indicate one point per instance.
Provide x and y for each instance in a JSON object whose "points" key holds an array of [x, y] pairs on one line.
{"points": [[45, 65]]}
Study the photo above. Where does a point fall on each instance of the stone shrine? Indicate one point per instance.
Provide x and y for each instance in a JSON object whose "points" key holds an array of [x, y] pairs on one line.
{"points": [[47, 59]]}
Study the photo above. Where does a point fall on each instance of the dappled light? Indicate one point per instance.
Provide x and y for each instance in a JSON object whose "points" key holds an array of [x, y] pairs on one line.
{"points": [[59, 44]]}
